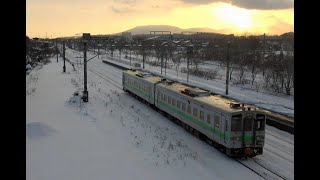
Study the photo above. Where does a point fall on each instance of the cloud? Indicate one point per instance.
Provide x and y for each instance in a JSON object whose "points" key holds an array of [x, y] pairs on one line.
{"points": [[250, 4], [122, 10], [128, 2], [115, 10]]}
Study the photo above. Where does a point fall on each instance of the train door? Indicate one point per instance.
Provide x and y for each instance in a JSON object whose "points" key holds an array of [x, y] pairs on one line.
{"points": [[224, 128], [156, 97], [149, 93], [217, 127], [247, 130]]}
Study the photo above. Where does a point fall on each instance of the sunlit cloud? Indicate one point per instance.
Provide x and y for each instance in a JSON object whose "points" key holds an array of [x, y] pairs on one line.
{"points": [[250, 4]]}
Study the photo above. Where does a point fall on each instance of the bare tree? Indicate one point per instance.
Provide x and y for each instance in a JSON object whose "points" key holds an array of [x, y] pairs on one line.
{"points": [[176, 59], [289, 74]]}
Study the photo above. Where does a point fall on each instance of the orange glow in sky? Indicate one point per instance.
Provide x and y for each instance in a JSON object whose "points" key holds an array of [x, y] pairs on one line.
{"points": [[58, 18]]}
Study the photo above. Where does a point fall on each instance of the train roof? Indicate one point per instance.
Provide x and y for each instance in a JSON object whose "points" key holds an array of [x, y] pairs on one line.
{"points": [[199, 95], [146, 76], [204, 97]]}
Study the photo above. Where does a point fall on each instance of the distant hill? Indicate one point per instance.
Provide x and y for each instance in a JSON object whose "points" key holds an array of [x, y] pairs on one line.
{"points": [[173, 29], [287, 35]]}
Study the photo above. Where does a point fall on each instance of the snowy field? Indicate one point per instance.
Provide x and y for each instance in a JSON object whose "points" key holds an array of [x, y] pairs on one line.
{"points": [[115, 136]]}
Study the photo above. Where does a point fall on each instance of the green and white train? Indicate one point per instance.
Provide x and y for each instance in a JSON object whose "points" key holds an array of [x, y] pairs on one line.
{"points": [[237, 129]]}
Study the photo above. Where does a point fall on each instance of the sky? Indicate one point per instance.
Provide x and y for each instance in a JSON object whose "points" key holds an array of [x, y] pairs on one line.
{"points": [[58, 18]]}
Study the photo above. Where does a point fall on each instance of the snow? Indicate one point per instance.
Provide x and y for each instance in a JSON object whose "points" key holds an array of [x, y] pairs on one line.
{"points": [[38, 130], [28, 66], [112, 137], [115, 136]]}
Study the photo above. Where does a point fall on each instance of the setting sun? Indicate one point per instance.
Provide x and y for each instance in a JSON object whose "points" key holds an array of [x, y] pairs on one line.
{"points": [[236, 17]]}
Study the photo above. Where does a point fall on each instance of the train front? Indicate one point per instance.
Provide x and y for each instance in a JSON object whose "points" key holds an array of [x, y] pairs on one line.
{"points": [[247, 133]]}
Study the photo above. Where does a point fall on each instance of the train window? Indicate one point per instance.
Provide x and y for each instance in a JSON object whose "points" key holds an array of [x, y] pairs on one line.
{"points": [[201, 115], [195, 112], [189, 109], [236, 123], [183, 107], [178, 104], [173, 102], [248, 124], [165, 98], [259, 123], [216, 121], [161, 96], [208, 118], [169, 100]]}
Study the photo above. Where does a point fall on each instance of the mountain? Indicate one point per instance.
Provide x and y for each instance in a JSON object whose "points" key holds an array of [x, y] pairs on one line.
{"points": [[173, 29], [287, 35]]}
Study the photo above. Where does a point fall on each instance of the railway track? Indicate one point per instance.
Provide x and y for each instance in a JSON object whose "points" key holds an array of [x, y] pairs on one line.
{"points": [[101, 75], [279, 149], [287, 139], [260, 169]]}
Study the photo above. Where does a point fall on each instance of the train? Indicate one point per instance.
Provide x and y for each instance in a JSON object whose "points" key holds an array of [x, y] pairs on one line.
{"points": [[235, 128]]}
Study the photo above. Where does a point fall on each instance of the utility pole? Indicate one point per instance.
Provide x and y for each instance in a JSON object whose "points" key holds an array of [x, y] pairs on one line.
{"points": [[98, 51], [120, 53], [94, 47], [264, 47], [111, 52], [143, 55], [85, 38], [189, 51], [130, 53], [64, 56], [85, 92], [57, 49], [227, 72], [165, 64], [162, 58], [105, 50]]}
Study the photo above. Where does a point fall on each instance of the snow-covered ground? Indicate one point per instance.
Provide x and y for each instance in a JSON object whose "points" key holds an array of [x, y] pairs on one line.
{"points": [[115, 136]]}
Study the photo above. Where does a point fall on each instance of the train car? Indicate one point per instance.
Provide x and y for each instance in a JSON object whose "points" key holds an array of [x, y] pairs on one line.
{"points": [[239, 130], [140, 83], [235, 128]]}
